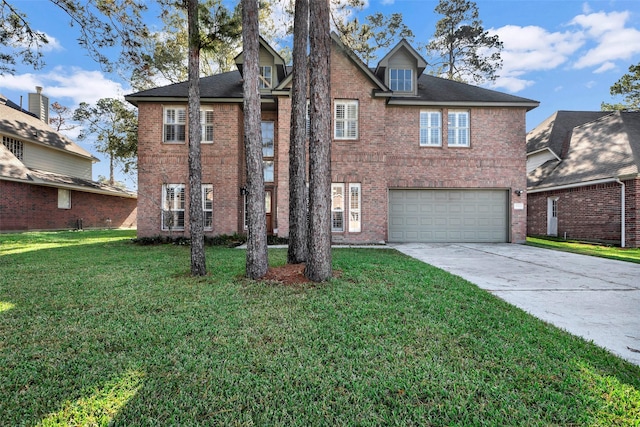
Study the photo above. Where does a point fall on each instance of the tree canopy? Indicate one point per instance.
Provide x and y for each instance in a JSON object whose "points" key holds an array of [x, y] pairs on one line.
{"points": [[628, 86]]}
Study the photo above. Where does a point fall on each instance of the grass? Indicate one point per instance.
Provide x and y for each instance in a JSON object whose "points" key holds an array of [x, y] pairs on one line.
{"points": [[97, 331], [603, 251]]}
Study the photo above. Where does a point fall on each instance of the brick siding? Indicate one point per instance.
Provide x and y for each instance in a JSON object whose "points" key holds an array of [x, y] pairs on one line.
{"points": [[33, 207], [589, 213]]}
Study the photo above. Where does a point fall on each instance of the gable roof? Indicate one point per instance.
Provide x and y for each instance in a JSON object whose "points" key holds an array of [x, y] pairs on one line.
{"points": [[432, 91], [605, 148], [421, 63], [20, 124]]}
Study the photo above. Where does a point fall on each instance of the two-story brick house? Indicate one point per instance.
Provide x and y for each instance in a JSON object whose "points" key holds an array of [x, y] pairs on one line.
{"points": [[414, 157], [46, 178]]}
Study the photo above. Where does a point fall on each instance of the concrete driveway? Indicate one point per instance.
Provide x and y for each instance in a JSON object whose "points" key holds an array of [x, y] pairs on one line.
{"points": [[595, 298]]}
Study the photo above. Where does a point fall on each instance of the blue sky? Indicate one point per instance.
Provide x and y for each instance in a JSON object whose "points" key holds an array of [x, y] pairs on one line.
{"points": [[564, 53]]}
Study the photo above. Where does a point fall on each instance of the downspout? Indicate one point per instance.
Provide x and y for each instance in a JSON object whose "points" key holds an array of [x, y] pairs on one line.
{"points": [[622, 214]]}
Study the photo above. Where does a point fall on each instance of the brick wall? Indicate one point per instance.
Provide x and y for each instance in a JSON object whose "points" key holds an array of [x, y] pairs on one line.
{"points": [[589, 213], [33, 207], [160, 163]]}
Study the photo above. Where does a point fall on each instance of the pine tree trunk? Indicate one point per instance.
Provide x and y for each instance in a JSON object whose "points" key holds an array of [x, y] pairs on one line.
{"points": [[298, 206], [318, 267], [257, 261], [196, 226]]}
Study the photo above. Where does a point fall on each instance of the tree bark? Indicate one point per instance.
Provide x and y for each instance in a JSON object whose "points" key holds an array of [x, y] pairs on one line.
{"points": [[298, 205], [318, 267], [196, 226], [257, 260]]}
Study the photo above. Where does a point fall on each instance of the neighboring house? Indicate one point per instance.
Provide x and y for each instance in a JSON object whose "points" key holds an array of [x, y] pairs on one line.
{"points": [[414, 158], [45, 178], [588, 185]]}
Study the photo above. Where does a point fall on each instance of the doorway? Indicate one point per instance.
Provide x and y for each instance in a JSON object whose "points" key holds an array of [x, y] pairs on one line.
{"points": [[552, 216]]}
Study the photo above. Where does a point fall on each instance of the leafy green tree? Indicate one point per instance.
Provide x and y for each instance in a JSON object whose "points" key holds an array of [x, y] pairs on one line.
{"points": [[376, 33], [629, 88], [461, 49], [113, 128], [101, 24], [164, 54]]}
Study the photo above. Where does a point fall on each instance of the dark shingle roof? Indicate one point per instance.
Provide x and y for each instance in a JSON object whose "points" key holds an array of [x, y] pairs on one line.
{"points": [[608, 147]]}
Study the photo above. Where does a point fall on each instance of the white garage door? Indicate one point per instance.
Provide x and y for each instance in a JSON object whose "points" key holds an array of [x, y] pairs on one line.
{"points": [[448, 216]]}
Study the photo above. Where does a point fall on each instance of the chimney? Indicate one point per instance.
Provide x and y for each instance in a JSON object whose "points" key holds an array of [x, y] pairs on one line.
{"points": [[39, 105]]}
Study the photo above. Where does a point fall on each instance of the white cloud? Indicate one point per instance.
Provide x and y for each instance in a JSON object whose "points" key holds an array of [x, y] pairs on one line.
{"points": [[532, 48], [62, 84], [605, 67], [613, 41]]}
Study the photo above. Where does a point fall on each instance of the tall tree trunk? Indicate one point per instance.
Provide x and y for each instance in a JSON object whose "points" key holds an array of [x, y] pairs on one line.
{"points": [[257, 261], [318, 266], [196, 226], [112, 180], [298, 206]]}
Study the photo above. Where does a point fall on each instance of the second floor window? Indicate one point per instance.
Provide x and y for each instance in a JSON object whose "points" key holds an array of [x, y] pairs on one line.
{"points": [[16, 147], [401, 80], [175, 121], [266, 79], [346, 120], [206, 123], [458, 128], [430, 128], [268, 151]]}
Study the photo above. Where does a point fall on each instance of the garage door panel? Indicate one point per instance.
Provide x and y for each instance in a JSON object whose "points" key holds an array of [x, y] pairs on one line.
{"points": [[448, 216]]}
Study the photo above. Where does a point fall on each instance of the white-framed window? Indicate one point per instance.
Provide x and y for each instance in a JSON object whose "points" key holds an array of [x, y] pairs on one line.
{"points": [[206, 123], [430, 128], [64, 199], [175, 121], [268, 150], [207, 206], [401, 80], [337, 207], [346, 119], [16, 147], [355, 221], [346, 205], [458, 128], [266, 77], [173, 201]]}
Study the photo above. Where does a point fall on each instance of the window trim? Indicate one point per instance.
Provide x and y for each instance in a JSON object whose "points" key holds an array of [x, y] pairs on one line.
{"points": [[177, 124], [15, 146], [64, 198], [404, 80], [166, 209], [337, 209], [346, 103], [263, 82], [355, 225], [204, 124], [455, 129], [205, 210], [425, 139]]}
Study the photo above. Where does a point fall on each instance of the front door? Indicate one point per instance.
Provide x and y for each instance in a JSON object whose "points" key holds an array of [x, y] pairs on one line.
{"points": [[268, 208], [552, 216]]}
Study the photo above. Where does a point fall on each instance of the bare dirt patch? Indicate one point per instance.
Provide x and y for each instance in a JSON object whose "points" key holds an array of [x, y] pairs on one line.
{"points": [[288, 274]]}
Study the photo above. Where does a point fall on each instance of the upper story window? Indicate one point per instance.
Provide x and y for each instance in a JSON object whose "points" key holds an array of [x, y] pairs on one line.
{"points": [[268, 151], [266, 78], [401, 80], [206, 123], [16, 147], [175, 120], [458, 128], [346, 120], [430, 128]]}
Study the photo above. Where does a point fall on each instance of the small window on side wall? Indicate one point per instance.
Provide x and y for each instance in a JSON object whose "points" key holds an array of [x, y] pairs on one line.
{"points": [[64, 199]]}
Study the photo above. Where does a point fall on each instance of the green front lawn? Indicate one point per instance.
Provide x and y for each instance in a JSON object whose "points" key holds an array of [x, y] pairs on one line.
{"points": [[603, 251], [95, 330]]}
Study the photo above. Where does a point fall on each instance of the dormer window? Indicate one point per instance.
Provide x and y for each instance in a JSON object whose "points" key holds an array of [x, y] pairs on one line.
{"points": [[266, 80], [401, 80]]}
